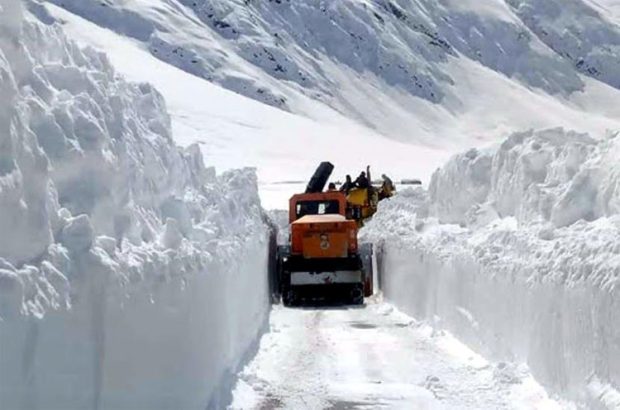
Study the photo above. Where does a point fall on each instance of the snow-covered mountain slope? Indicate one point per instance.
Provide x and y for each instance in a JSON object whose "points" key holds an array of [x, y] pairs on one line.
{"points": [[114, 241], [585, 33], [516, 250], [233, 130], [441, 74]]}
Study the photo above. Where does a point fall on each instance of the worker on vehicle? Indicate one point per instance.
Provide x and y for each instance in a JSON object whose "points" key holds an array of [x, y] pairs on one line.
{"points": [[362, 181], [387, 187], [348, 185], [331, 187]]}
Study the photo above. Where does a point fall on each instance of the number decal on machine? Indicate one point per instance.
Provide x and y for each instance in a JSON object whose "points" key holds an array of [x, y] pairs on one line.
{"points": [[324, 241]]}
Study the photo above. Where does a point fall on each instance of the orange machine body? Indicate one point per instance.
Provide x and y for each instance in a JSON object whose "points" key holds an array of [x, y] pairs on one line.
{"points": [[319, 228]]}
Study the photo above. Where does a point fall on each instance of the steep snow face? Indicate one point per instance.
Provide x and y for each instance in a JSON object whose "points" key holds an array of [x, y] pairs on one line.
{"points": [[114, 240], [531, 272], [24, 181], [550, 176], [78, 137], [441, 73]]}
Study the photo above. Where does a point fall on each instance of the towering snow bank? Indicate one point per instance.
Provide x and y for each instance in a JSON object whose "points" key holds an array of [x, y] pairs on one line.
{"points": [[131, 276], [532, 274], [551, 176]]}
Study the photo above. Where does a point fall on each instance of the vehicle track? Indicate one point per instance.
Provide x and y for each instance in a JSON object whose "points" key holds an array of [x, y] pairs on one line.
{"points": [[375, 357]]}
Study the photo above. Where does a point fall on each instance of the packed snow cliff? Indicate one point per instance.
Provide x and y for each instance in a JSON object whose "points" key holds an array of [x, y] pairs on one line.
{"points": [[516, 249], [113, 239]]}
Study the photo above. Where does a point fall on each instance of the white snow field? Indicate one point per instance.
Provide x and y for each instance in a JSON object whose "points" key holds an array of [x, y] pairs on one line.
{"points": [[131, 276], [516, 251], [398, 84], [375, 357]]}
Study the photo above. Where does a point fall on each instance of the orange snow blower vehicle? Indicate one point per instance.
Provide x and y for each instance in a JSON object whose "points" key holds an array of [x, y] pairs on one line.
{"points": [[323, 260]]}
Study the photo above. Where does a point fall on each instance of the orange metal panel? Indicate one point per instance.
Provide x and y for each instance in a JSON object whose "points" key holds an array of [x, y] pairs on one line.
{"points": [[325, 245], [322, 236], [317, 236]]}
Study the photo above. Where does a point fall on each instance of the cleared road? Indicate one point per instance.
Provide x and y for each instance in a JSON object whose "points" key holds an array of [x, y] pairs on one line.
{"points": [[374, 358]]}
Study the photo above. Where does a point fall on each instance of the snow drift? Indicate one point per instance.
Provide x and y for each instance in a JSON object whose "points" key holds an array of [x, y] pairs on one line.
{"points": [[131, 276], [515, 249]]}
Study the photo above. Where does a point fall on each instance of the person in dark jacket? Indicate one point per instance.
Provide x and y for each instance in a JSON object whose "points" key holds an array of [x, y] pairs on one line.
{"points": [[362, 181], [348, 185]]}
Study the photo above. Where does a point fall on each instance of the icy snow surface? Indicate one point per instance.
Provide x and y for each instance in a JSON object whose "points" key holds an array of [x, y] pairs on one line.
{"points": [[131, 276], [375, 357], [516, 250]]}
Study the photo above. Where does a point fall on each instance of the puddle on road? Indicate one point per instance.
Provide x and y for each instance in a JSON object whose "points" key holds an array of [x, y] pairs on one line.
{"points": [[361, 325], [364, 325], [347, 405]]}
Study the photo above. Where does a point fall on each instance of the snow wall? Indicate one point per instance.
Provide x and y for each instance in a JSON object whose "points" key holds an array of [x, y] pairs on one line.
{"points": [[131, 276], [516, 250]]}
